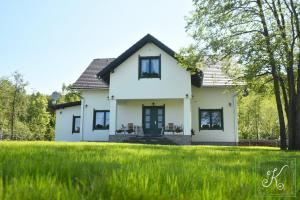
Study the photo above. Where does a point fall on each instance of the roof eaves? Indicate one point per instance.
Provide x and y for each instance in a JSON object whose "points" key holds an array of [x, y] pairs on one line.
{"points": [[65, 105]]}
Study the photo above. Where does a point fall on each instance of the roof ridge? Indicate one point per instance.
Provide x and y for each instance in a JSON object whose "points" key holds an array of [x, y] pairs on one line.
{"points": [[104, 58]]}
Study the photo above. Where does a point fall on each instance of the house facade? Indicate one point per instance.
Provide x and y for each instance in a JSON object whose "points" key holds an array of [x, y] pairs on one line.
{"points": [[146, 93]]}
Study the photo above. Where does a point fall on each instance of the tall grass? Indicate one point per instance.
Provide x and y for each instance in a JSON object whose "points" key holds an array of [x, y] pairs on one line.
{"points": [[48, 170]]}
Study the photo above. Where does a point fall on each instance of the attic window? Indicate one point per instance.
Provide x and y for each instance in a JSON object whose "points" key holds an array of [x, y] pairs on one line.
{"points": [[149, 67]]}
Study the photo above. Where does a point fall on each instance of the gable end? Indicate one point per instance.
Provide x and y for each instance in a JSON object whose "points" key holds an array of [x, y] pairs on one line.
{"points": [[104, 74]]}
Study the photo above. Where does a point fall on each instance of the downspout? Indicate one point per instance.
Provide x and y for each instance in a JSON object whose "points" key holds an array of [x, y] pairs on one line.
{"points": [[82, 117], [235, 122]]}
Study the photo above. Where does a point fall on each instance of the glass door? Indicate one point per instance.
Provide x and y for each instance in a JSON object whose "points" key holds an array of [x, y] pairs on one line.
{"points": [[153, 119]]}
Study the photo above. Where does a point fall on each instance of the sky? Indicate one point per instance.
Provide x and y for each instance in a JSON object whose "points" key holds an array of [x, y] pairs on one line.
{"points": [[51, 42]]}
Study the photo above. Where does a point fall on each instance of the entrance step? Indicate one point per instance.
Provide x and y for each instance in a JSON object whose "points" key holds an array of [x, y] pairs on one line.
{"points": [[152, 139], [148, 139]]}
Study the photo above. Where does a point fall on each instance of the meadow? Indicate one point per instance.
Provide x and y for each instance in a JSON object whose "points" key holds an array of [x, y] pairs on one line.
{"points": [[49, 170]]}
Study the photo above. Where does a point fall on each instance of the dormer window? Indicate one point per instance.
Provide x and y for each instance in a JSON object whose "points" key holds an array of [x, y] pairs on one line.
{"points": [[149, 67]]}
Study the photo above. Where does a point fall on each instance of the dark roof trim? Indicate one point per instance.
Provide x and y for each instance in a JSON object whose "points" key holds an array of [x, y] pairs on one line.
{"points": [[65, 105], [104, 74]]}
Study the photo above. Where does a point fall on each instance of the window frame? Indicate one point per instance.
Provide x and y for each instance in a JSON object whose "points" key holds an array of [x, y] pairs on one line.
{"points": [[210, 111], [73, 124], [149, 58], [94, 120]]}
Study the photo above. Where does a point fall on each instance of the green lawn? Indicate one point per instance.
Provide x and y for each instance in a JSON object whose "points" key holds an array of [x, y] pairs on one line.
{"points": [[49, 170]]}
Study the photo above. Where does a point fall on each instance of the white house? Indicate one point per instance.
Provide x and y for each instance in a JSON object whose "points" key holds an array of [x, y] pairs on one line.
{"points": [[144, 95]]}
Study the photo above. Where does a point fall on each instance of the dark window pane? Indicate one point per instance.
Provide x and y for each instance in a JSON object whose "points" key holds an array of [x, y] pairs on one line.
{"points": [[145, 67], [147, 118], [107, 120], [205, 119], [147, 124], [76, 127], [160, 118], [160, 111], [159, 124], [155, 67], [147, 111], [99, 122], [216, 119]]}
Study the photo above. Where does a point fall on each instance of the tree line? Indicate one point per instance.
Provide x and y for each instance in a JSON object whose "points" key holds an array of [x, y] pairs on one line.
{"points": [[261, 38], [26, 116]]}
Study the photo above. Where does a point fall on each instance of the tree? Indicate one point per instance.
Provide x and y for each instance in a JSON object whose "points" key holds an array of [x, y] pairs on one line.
{"points": [[262, 36], [23, 116], [6, 88], [18, 100], [68, 94], [258, 117], [38, 117]]}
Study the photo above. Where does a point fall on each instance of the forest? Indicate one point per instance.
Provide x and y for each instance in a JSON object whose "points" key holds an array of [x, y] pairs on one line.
{"points": [[27, 116], [261, 41]]}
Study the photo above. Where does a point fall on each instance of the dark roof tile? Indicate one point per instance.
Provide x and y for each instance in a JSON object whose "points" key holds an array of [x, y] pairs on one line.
{"points": [[88, 79], [65, 105]]}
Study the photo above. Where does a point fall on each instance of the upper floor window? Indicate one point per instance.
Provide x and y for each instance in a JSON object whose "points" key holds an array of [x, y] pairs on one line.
{"points": [[149, 67], [76, 124], [101, 119], [211, 119]]}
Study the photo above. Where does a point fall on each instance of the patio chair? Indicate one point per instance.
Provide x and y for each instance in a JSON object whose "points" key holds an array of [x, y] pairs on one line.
{"points": [[130, 128], [171, 127]]}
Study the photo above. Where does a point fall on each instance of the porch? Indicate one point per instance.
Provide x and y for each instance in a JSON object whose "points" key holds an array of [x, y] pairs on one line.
{"points": [[151, 117]]}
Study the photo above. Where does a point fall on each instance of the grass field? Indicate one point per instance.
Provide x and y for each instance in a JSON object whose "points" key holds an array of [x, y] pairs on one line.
{"points": [[48, 170]]}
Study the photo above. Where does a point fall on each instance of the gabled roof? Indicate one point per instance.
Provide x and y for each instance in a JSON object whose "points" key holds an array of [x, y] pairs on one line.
{"points": [[65, 105], [88, 79], [104, 74], [214, 76], [97, 74]]}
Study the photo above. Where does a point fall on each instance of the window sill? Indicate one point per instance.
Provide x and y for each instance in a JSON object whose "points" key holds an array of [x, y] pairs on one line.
{"points": [[148, 77]]}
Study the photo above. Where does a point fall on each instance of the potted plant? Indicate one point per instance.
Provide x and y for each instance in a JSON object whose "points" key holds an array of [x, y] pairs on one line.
{"points": [[119, 131], [178, 130]]}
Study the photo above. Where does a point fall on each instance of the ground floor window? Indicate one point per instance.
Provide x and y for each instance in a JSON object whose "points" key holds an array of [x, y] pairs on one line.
{"points": [[76, 124], [211, 119], [101, 119]]}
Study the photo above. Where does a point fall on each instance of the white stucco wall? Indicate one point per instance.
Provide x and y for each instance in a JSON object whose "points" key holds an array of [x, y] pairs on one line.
{"points": [[64, 121], [175, 81], [130, 111], [94, 100], [214, 98]]}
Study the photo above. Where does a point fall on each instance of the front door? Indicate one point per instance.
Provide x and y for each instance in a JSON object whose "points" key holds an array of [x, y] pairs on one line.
{"points": [[153, 119]]}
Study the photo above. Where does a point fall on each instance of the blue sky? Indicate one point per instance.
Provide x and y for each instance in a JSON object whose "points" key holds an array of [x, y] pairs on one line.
{"points": [[52, 42]]}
